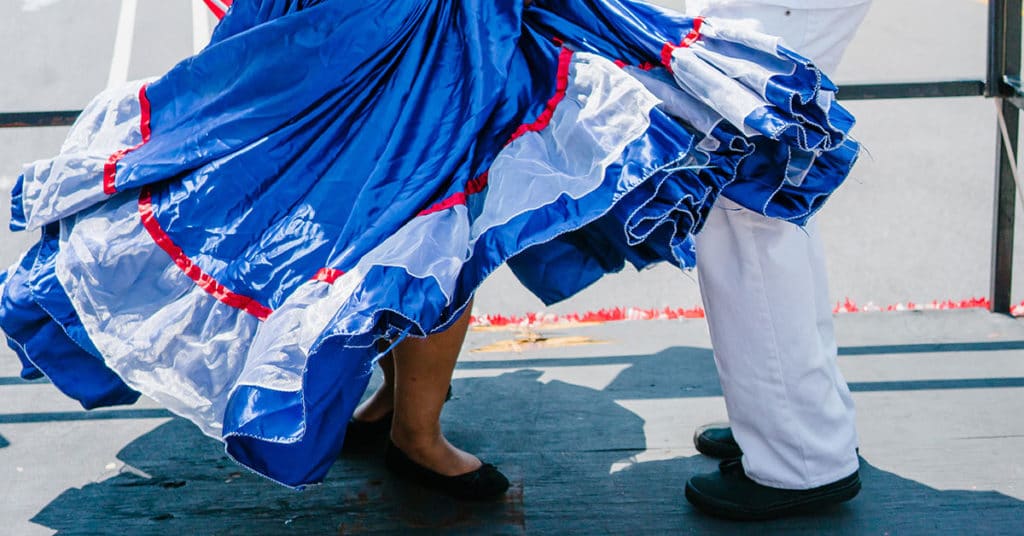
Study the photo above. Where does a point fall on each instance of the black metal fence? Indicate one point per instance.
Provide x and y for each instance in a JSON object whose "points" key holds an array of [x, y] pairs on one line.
{"points": [[1002, 83]]}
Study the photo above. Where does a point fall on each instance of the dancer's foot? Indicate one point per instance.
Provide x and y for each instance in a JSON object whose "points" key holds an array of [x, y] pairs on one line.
{"points": [[371, 422], [480, 484]]}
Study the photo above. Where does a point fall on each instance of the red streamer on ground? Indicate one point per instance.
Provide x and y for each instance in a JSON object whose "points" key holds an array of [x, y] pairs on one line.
{"points": [[602, 315], [849, 306], [668, 313]]}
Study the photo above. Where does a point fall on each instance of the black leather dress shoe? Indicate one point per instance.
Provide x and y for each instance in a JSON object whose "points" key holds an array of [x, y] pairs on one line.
{"points": [[483, 484], [716, 441], [730, 494]]}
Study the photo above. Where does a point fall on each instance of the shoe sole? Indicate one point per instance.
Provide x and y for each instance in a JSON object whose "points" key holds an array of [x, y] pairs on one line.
{"points": [[803, 505]]}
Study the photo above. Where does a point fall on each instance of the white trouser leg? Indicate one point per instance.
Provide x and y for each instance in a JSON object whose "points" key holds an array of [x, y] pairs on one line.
{"points": [[771, 328], [823, 314], [765, 291]]}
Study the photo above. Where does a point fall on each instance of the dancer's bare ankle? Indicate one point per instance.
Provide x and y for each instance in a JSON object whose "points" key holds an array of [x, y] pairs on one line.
{"points": [[380, 404]]}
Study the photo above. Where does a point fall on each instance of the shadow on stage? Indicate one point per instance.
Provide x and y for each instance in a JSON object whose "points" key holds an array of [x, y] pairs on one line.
{"points": [[557, 443]]}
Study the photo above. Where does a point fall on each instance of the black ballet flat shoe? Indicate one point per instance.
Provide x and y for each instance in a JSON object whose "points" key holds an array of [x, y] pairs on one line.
{"points": [[483, 484], [364, 435]]}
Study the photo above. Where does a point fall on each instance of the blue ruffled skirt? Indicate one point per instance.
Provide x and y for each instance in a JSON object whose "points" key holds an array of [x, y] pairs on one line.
{"points": [[234, 237]]}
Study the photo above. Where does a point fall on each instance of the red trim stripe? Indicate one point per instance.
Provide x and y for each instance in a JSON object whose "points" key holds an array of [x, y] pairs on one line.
{"points": [[474, 186], [645, 66], [694, 34], [202, 279], [666, 55], [328, 275], [217, 10], [454, 200], [690, 39], [110, 167], [542, 121], [477, 185]]}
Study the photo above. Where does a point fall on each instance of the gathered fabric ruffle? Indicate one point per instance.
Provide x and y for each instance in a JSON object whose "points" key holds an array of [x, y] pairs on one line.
{"points": [[234, 238]]}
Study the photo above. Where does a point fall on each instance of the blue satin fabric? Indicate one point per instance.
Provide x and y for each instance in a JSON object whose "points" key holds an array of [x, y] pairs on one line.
{"points": [[435, 106], [31, 306], [446, 105], [308, 132]]}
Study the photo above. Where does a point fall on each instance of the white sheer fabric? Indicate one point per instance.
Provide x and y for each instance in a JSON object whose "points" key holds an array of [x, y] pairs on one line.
{"points": [[71, 181]]}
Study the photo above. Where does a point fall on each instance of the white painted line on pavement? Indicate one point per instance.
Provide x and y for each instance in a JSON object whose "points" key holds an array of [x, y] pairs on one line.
{"points": [[200, 25], [668, 423], [122, 55]]}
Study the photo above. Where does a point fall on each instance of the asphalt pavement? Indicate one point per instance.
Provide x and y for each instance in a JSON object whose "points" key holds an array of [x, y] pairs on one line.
{"points": [[591, 423]]}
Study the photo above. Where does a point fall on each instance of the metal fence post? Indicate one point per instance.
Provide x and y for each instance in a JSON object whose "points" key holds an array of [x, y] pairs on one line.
{"points": [[1004, 58]]}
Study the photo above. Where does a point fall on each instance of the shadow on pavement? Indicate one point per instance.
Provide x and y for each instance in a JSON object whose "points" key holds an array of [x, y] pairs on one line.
{"points": [[555, 441]]}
